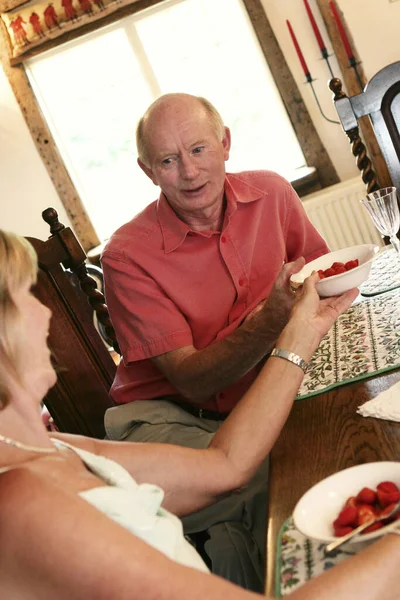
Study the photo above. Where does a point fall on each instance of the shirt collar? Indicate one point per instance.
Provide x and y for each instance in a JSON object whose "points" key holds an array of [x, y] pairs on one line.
{"points": [[174, 230], [240, 190]]}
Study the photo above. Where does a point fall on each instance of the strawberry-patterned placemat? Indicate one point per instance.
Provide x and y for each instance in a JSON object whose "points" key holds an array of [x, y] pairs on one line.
{"points": [[384, 274], [364, 341], [299, 559]]}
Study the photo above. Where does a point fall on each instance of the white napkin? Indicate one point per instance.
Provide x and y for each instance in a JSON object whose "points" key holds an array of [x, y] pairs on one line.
{"points": [[386, 405]]}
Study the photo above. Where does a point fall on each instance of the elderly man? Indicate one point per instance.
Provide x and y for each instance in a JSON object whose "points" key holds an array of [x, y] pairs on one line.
{"points": [[198, 291]]}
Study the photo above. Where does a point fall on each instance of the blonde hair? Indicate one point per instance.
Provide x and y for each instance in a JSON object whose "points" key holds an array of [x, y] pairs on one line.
{"points": [[18, 265], [213, 115]]}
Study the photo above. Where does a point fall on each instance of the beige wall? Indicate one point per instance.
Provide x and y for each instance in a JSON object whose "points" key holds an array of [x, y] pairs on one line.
{"points": [[375, 26], [331, 134], [26, 188]]}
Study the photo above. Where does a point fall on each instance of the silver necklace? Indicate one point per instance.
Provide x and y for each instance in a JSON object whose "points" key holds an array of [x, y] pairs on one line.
{"points": [[21, 446]]}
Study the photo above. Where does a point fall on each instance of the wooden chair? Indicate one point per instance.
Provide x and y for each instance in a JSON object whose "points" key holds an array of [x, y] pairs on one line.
{"points": [[85, 368], [380, 100]]}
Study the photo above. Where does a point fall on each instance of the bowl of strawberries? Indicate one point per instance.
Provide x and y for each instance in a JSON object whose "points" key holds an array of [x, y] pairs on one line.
{"points": [[339, 271], [340, 503]]}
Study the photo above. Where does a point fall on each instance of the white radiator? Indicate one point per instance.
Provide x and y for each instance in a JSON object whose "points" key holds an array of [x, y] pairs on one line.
{"points": [[339, 216]]}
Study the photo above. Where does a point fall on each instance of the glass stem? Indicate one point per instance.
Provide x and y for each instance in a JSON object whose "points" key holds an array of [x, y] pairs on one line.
{"points": [[395, 243]]}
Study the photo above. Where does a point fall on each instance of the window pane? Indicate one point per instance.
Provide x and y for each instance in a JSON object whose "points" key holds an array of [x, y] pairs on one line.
{"points": [[226, 65], [92, 94], [94, 90]]}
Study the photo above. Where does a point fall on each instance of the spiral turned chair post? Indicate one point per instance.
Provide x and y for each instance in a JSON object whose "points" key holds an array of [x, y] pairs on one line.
{"points": [[97, 302], [75, 261], [357, 146]]}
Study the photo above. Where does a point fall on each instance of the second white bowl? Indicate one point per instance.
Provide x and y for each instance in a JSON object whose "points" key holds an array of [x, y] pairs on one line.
{"points": [[319, 507]]}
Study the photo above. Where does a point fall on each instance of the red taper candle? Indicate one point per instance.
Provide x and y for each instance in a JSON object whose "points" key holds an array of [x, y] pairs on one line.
{"points": [[299, 52], [342, 31], [315, 26]]}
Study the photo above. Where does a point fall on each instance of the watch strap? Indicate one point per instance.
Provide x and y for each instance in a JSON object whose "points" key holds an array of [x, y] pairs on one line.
{"points": [[291, 357]]}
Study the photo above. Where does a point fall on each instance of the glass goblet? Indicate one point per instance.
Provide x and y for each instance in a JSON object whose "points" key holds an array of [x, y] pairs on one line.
{"points": [[383, 209]]}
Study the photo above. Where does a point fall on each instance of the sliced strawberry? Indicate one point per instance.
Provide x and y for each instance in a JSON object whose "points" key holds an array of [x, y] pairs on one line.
{"points": [[340, 531], [352, 501], [394, 497], [386, 498], [365, 513], [336, 524], [337, 265], [387, 486], [366, 496], [387, 510], [351, 264], [340, 270], [321, 274], [373, 527], [347, 516], [329, 272]]}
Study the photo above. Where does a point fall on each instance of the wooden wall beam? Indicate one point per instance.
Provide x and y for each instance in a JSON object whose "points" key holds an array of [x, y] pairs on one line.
{"points": [[48, 150], [39, 129]]}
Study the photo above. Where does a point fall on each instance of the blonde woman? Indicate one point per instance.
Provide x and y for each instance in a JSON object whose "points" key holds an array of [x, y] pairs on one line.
{"points": [[83, 518]]}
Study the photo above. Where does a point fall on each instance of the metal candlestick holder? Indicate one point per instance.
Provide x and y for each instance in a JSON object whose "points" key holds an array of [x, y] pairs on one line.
{"points": [[353, 64], [310, 81]]}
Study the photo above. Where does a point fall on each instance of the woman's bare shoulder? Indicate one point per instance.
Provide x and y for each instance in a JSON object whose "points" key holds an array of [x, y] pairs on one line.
{"points": [[52, 538], [16, 477], [21, 486]]}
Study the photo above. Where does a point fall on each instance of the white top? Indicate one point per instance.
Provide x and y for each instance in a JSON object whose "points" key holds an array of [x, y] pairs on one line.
{"points": [[136, 507]]}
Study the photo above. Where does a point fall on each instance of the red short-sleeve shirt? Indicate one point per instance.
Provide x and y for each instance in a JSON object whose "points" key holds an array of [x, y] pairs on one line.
{"points": [[168, 286]]}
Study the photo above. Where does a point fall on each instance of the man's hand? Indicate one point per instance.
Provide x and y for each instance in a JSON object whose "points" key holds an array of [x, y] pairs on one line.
{"points": [[270, 316]]}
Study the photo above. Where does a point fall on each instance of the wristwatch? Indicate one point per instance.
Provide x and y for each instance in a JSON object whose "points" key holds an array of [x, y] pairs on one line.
{"points": [[291, 357]]}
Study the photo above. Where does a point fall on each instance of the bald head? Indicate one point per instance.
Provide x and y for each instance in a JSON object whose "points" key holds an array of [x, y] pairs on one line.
{"points": [[168, 106]]}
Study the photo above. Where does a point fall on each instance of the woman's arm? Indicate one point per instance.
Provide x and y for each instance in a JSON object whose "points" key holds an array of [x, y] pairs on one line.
{"points": [[251, 430], [373, 573], [56, 545], [193, 479]]}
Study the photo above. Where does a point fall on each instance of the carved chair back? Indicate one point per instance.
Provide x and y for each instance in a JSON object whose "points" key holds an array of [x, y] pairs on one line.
{"points": [[380, 100], [85, 368]]}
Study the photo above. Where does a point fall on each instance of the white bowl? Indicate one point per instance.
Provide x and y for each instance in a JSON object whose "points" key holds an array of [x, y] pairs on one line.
{"points": [[338, 284], [320, 506]]}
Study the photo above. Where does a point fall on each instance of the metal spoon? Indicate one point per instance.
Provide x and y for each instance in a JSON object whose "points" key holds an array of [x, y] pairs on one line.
{"points": [[342, 540]]}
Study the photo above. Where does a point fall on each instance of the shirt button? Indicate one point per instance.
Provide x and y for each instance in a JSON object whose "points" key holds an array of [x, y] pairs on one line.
{"points": [[241, 282], [223, 239]]}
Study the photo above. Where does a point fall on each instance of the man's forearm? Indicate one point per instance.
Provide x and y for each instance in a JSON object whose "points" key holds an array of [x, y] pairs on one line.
{"points": [[199, 374], [207, 371]]}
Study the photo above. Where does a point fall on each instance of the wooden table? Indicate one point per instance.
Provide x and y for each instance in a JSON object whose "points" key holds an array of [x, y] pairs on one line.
{"points": [[322, 436]]}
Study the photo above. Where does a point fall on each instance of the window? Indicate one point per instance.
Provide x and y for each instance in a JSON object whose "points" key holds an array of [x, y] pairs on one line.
{"points": [[93, 90]]}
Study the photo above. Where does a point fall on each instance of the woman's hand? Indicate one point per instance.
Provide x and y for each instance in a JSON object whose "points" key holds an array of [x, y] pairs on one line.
{"points": [[322, 313], [312, 317]]}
